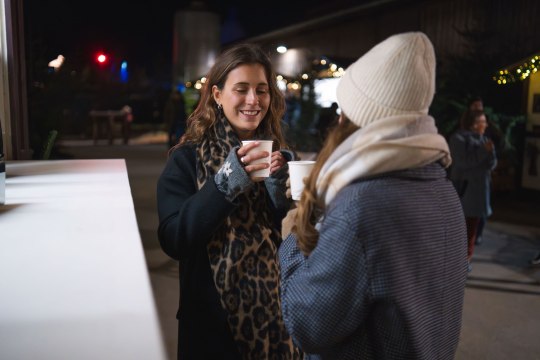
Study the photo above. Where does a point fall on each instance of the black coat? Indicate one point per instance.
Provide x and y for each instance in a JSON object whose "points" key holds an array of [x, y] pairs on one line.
{"points": [[192, 215], [188, 217]]}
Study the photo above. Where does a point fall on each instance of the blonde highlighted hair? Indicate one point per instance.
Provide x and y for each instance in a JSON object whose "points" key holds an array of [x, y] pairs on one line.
{"points": [[311, 207]]}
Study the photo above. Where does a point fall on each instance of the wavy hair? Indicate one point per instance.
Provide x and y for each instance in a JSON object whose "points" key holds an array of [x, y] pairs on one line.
{"points": [[310, 206], [207, 113]]}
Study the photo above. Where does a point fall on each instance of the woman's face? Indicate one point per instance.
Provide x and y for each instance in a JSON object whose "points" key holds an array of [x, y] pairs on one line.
{"points": [[480, 124], [245, 98]]}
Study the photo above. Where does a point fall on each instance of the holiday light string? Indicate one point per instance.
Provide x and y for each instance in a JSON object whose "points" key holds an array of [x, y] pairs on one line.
{"points": [[321, 69], [518, 72]]}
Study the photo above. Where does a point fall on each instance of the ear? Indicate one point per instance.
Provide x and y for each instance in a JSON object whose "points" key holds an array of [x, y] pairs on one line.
{"points": [[216, 94]]}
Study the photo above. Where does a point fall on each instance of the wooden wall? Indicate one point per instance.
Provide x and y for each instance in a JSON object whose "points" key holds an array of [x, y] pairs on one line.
{"points": [[508, 29]]}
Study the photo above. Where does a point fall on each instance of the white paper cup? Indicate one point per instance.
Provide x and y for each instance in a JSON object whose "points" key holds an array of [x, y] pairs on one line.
{"points": [[298, 171], [264, 145]]}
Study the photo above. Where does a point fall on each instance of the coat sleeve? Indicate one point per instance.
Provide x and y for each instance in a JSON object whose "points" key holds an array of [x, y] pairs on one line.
{"points": [[325, 296], [187, 216]]}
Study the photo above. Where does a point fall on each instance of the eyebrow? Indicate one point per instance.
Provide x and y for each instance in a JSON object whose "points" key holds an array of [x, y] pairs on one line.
{"points": [[246, 83]]}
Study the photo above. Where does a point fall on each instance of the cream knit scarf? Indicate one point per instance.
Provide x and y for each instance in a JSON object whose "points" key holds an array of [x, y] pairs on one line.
{"points": [[388, 144]]}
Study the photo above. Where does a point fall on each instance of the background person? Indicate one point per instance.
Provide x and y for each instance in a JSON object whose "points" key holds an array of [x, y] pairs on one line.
{"points": [[174, 114], [375, 267], [327, 119], [223, 227], [474, 159], [476, 103]]}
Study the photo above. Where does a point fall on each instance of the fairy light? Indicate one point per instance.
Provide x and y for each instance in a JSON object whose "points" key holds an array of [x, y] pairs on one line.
{"points": [[321, 68], [518, 72]]}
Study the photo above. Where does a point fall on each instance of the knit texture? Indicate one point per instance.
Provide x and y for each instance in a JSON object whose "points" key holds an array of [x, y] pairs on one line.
{"points": [[231, 179], [396, 77], [389, 144]]}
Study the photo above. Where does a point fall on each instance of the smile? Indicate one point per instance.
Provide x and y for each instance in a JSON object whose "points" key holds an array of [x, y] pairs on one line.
{"points": [[250, 112]]}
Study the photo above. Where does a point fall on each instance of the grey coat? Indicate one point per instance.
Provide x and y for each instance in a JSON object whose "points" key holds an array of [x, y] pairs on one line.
{"points": [[387, 278], [471, 170]]}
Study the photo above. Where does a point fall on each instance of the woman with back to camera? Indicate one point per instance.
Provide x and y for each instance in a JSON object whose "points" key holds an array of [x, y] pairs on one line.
{"points": [[222, 226], [375, 267]]}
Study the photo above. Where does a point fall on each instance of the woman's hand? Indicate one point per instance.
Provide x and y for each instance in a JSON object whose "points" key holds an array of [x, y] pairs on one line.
{"points": [[247, 158], [278, 160], [288, 193], [288, 223]]}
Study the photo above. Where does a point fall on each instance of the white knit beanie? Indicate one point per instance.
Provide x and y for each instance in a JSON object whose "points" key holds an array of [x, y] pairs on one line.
{"points": [[396, 77]]}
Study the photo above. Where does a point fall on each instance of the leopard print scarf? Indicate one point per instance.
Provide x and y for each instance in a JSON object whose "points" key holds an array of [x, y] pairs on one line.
{"points": [[243, 259]]}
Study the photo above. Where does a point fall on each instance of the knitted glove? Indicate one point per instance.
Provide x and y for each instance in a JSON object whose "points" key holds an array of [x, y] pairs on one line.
{"points": [[276, 183], [231, 179]]}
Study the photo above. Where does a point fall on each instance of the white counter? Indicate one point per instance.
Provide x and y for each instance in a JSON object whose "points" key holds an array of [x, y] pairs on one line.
{"points": [[73, 277]]}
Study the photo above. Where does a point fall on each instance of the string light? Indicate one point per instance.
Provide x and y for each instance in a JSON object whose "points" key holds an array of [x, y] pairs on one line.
{"points": [[518, 72], [321, 68]]}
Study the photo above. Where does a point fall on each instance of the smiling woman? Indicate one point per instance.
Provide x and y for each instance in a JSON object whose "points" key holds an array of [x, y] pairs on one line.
{"points": [[228, 256], [244, 99]]}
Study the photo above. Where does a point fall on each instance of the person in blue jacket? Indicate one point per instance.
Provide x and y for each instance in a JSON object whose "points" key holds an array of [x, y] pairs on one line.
{"points": [[222, 226], [375, 265], [474, 159]]}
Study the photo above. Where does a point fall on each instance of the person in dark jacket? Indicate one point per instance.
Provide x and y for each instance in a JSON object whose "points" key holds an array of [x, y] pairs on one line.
{"points": [[174, 114], [474, 158], [375, 265], [492, 132], [327, 119], [223, 227]]}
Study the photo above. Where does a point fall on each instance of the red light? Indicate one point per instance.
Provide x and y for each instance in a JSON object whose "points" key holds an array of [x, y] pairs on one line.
{"points": [[101, 58]]}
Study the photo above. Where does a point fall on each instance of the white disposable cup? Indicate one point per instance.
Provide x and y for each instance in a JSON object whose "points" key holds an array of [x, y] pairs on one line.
{"points": [[298, 171], [264, 145]]}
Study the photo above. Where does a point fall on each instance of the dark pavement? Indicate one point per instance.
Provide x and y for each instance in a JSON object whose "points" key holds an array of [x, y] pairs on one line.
{"points": [[501, 318]]}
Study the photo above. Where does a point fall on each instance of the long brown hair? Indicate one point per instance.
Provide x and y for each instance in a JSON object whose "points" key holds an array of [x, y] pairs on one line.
{"points": [[206, 113], [310, 207]]}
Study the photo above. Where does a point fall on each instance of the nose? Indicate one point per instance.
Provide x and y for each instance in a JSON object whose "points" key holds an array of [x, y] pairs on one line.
{"points": [[252, 98]]}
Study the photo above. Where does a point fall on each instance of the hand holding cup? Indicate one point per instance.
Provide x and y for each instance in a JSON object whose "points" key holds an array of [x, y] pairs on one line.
{"points": [[277, 161], [256, 156]]}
